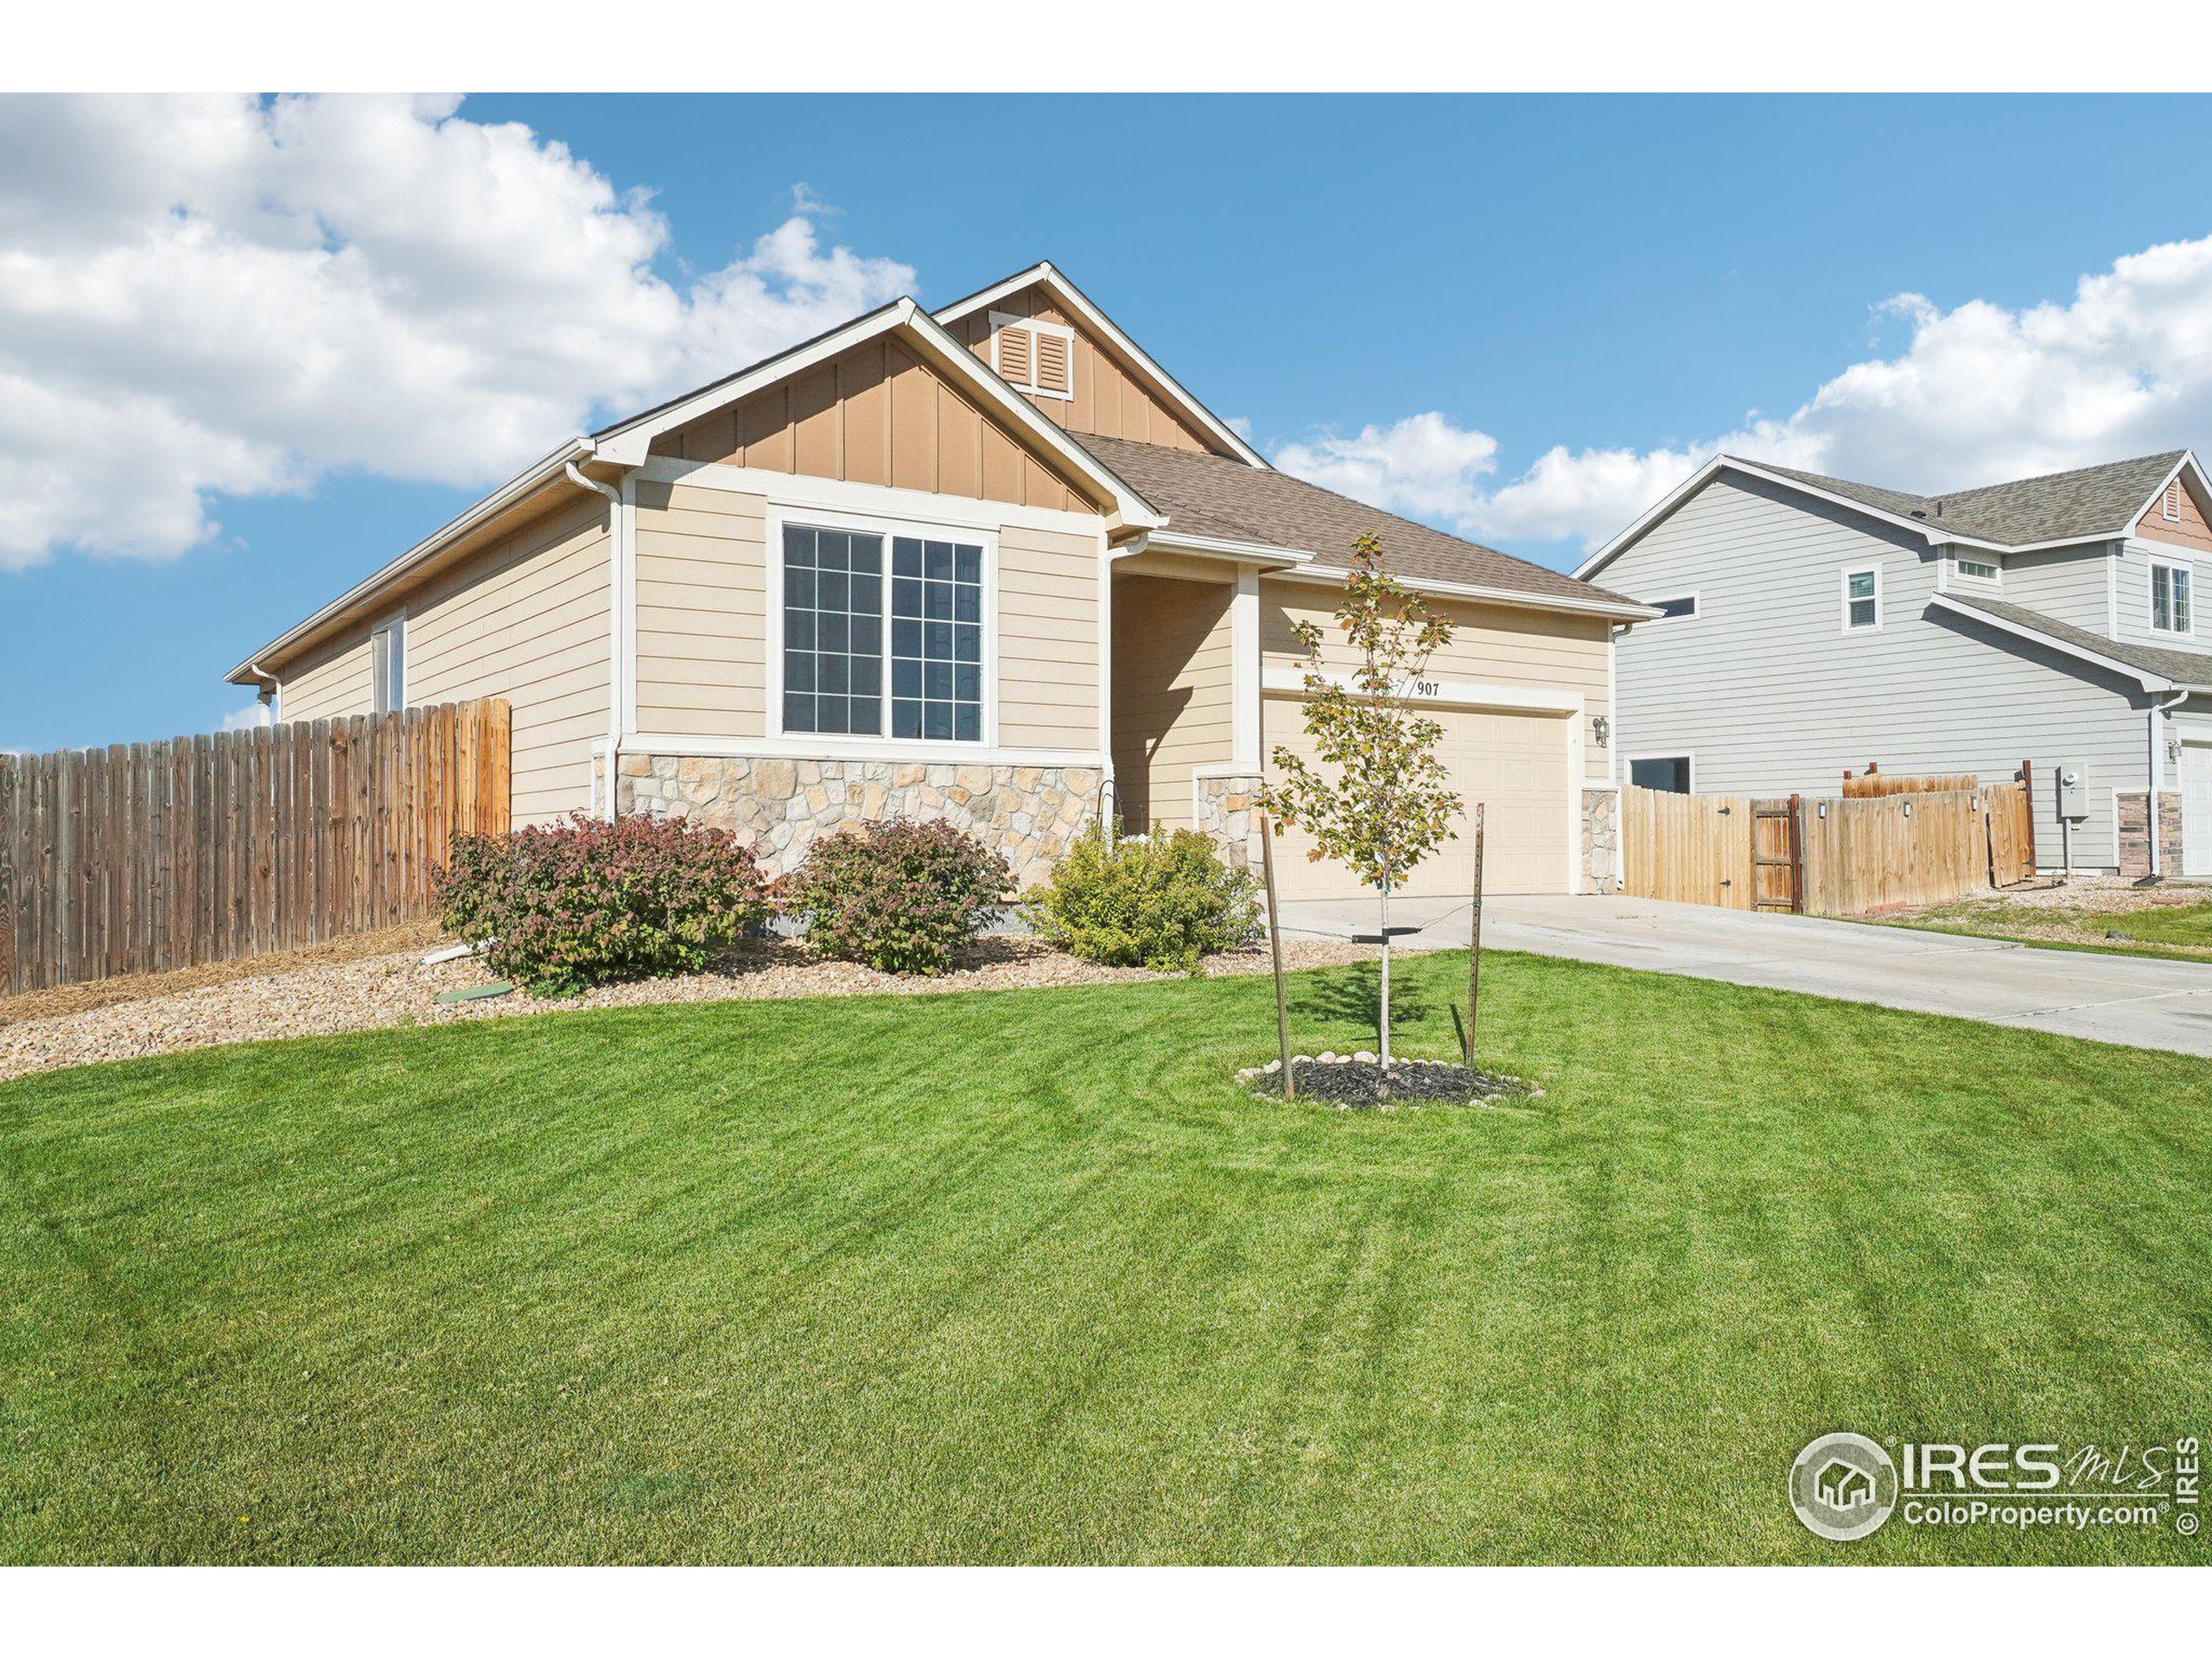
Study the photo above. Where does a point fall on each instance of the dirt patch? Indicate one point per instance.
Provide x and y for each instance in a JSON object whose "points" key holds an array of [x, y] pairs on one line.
{"points": [[62, 1000], [397, 989]]}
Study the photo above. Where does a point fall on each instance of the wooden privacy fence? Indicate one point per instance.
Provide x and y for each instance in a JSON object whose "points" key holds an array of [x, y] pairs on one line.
{"points": [[1831, 857], [147, 857]]}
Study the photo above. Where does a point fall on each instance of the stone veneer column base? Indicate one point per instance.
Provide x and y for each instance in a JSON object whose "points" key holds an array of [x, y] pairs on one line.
{"points": [[1601, 841], [1229, 813], [2135, 846], [1031, 814]]}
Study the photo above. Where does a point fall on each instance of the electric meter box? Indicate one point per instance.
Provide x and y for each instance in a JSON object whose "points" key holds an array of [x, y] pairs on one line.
{"points": [[2073, 794]]}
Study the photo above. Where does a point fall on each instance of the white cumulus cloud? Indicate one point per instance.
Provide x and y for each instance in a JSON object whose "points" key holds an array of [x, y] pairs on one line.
{"points": [[210, 297], [1975, 394]]}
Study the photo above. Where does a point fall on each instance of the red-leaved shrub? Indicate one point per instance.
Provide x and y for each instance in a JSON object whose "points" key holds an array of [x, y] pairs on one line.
{"points": [[585, 902], [900, 896]]}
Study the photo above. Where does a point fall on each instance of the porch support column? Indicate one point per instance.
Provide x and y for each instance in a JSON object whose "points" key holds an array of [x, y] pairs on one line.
{"points": [[1244, 672]]}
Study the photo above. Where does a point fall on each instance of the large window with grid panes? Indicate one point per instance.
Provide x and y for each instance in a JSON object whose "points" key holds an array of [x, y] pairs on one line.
{"points": [[882, 634]]}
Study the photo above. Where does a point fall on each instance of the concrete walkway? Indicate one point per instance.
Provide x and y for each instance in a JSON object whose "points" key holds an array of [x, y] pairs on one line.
{"points": [[2139, 1001]]}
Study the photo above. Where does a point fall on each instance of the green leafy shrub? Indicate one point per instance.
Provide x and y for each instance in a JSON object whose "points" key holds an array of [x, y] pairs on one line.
{"points": [[900, 896], [1159, 901], [586, 902]]}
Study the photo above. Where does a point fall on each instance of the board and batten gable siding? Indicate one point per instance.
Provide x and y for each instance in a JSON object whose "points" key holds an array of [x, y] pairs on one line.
{"points": [[1108, 400], [702, 622], [524, 618], [1770, 697], [1490, 645], [2067, 584], [878, 415], [1171, 693]]}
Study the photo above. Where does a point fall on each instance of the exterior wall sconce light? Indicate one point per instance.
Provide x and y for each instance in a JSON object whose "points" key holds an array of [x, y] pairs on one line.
{"points": [[1602, 729]]}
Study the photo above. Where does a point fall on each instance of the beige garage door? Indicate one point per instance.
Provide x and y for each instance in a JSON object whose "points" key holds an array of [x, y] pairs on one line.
{"points": [[1515, 763]]}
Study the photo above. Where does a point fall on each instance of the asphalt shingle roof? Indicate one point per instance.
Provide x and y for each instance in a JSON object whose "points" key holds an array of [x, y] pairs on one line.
{"points": [[2185, 667], [1210, 495], [2085, 503]]}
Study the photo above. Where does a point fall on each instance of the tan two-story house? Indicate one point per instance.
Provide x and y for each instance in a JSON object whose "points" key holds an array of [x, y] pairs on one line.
{"points": [[991, 563]]}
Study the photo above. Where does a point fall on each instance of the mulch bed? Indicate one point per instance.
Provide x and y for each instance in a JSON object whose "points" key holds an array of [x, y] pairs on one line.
{"points": [[1364, 1083]]}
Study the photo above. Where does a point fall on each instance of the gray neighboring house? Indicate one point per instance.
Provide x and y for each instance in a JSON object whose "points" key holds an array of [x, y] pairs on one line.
{"points": [[1811, 626]]}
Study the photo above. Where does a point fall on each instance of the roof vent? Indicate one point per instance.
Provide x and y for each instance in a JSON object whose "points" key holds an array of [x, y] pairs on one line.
{"points": [[1917, 514]]}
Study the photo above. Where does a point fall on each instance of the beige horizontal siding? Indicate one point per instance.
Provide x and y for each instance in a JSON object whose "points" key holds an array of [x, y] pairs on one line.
{"points": [[1048, 638], [527, 621], [1172, 700], [1493, 644], [702, 612], [524, 618], [331, 683]]}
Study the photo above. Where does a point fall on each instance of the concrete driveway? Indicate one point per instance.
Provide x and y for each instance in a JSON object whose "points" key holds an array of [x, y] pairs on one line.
{"points": [[2138, 1001]]}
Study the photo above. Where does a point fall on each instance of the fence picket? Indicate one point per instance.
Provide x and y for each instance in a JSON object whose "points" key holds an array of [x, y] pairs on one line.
{"points": [[148, 856]]}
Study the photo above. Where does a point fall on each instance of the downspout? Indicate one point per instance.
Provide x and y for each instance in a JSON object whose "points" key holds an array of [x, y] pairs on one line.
{"points": [[2157, 773], [576, 474]]}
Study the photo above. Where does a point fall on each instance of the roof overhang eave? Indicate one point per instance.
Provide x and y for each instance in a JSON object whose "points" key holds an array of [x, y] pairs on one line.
{"points": [[549, 472]]}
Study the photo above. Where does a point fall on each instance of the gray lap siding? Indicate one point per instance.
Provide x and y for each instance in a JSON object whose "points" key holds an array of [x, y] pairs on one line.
{"points": [[1769, 694]]}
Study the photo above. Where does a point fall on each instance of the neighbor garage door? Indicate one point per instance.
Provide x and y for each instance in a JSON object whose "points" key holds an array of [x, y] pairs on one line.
{"points": [[1515, 764]]}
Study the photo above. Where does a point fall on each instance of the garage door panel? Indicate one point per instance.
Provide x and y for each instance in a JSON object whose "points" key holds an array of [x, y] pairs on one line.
{"points": [[1515, 764]]}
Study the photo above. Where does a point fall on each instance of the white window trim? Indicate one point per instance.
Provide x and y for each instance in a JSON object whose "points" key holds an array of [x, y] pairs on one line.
{"points": [[1843, 592], [395, 623], [2150, 597], [782, 514], [1689, 757], [1696, 610], [1002, 321], [1994, 579]]}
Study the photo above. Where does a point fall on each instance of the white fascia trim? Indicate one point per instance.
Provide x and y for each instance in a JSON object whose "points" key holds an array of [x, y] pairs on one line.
{"points": [[1625, 610], [1697, 480], [525, 484], [2186, 464], [1216, 547], [1043, 274], [628, 445], [882, 500], [1280, 680], [2148, 681], [808, 746]]}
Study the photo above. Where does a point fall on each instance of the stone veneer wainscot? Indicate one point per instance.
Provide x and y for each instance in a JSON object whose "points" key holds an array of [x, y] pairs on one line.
{"points": [[1029, 813]]}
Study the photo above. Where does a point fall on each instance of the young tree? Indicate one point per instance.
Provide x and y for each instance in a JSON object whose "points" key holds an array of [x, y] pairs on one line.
{"points": [[1388, 808]]}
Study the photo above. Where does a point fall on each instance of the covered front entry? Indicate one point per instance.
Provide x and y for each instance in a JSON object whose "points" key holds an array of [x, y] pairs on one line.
{"points": [[1517, 763], [2195, 780]]}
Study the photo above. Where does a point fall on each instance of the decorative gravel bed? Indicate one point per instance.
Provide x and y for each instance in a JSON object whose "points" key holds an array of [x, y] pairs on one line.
{"points": [[1358, 1080], [398, 990]]}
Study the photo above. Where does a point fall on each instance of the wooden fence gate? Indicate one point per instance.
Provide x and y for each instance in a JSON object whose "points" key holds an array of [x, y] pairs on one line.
{"points": [[148, 856], [1837, 857]]}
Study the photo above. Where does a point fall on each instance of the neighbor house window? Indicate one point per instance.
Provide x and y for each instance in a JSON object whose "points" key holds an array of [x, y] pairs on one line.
{"points": [[1686, 606], [1670, 773], [875, 653], [1979, 570], [1862, 598], [2169, 598], [388, 666], [1037, 357]]}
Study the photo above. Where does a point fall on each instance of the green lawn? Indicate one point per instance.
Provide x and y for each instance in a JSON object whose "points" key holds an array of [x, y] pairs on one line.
{"points": [[1020, 1277]]}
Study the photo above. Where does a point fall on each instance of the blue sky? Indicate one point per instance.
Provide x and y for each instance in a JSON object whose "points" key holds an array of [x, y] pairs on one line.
{"points": [[1618, 282]]}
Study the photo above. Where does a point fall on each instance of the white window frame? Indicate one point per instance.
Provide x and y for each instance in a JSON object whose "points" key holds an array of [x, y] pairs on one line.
{"points": [[1996, 571], [783, 514], [393, 660], [1687, 757], [1843, 592], [1002, 321], [1696, 604], [2187, 571]]}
